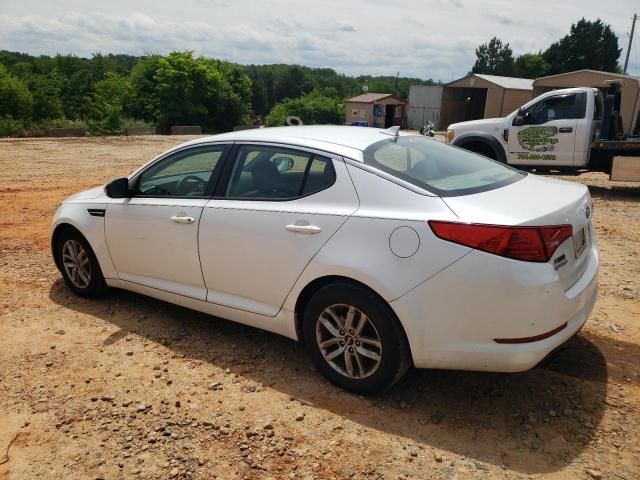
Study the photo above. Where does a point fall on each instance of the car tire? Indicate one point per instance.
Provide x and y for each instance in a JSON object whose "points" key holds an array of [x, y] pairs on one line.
{"points": [[355, 339], [78, 264]]}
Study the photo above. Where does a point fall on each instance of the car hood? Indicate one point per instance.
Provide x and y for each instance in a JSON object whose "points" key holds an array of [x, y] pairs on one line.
{"points": [[478, 124], [90, 194]]}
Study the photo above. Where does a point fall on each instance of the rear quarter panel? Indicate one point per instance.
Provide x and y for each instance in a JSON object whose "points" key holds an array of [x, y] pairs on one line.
{"points": [[360, 249]]}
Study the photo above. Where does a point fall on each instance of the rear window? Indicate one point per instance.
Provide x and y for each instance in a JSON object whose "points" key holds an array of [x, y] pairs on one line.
{"points": [[437, 167], [598, 107]]}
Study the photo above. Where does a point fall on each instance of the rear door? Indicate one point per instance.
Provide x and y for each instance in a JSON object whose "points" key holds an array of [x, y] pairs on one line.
{"points": [[548, 136], [276, 208]]}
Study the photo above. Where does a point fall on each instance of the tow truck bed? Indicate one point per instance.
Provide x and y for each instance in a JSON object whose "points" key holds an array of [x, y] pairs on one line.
{"points": [[624, 147]]}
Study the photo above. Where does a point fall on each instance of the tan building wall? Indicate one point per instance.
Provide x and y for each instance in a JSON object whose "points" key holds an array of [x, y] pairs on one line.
{"points": [[365, 111], [494, 93], [499, 101], [590, 78], [514, 99]]}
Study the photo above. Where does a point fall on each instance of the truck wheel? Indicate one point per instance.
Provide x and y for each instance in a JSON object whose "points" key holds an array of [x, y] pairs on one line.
{"points": [[481, 149]]}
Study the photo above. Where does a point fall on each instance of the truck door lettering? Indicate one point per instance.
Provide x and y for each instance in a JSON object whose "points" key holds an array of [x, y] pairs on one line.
{"points": [[538, 139]]}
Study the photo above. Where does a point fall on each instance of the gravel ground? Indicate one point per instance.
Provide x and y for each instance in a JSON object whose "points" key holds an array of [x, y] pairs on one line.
{"points": [[131, 387]]}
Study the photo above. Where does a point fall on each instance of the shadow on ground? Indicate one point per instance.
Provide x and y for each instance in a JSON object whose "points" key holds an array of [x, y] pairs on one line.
{"points": [[616, 192], [532, 422]]}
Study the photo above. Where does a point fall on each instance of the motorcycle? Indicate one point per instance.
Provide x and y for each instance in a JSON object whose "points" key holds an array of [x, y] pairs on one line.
{"points": [[428, 129]]}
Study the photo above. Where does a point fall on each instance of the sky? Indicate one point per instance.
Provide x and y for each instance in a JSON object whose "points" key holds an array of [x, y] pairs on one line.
{"points": [[422, 38]]}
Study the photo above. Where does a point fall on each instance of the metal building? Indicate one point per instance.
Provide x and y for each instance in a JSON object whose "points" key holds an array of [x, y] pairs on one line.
{"points": [[630, 106], [424, 105], [479, 96]]}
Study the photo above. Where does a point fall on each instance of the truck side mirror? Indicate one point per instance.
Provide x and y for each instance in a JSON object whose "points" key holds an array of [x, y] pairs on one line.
{"points": [[520, 118]]}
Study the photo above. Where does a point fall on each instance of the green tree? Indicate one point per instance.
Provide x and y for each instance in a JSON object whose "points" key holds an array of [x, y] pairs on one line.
{"points": [[530, 65], [233, 108], [144, 104], [312, 108], [107, 107], [187, 91], [200, 91], [46, 90], [494, 58], [178, 88], [591, 45], [15, 99]]}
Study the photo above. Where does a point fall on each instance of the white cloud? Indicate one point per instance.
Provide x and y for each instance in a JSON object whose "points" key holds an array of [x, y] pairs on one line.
{"points": [[424, 38]]}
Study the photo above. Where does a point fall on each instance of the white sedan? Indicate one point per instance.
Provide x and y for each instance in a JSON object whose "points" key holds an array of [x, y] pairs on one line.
{"points": [[376, 250]]}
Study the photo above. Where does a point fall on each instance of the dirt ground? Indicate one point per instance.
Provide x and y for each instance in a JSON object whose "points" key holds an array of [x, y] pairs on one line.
{"points": [[131, 387]]}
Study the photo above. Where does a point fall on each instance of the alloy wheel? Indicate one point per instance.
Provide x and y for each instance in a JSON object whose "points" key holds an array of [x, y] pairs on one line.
{"points": [[76, 263], [348, 341]]}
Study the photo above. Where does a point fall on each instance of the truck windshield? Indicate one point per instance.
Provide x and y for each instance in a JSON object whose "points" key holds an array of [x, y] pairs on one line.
{"points": [[438, 168]]}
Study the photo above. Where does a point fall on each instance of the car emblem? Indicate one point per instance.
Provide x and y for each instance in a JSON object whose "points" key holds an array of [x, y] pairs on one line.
{"points": [[587, 212]]}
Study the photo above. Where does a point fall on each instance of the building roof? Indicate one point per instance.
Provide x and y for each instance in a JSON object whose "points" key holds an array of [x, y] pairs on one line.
{"points": [[504, 82], [508, 82], [374, 97], [587, 70]]}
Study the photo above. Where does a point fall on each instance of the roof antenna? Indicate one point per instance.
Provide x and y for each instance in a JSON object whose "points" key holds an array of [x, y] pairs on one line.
{"points": [[392, 132]]}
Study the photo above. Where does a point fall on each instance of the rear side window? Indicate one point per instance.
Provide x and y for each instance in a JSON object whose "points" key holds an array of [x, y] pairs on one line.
{"points": [[438, 168], [265, 172], [320, 175]]}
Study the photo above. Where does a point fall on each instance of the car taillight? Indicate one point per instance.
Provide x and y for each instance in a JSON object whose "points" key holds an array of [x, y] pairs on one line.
{"points": [[530, 244]]}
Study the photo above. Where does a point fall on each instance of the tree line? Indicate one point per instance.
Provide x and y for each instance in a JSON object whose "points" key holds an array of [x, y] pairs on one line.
{"points": [[107, 93], [589, 44]]}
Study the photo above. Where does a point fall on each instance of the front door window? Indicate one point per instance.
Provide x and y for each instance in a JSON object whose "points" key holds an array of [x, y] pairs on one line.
{"points": [[184, 174]]}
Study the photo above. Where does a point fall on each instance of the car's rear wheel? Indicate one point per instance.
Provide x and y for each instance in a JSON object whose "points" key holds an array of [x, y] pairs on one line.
{"points": [[78, 265], [355, 339]]}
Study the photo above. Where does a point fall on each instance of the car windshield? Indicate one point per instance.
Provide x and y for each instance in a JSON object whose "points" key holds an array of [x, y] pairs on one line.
{"points": [[437, 167]]}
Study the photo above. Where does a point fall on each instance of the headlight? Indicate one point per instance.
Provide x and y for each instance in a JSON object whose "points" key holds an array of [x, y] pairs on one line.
{"points": [[450, 136]]}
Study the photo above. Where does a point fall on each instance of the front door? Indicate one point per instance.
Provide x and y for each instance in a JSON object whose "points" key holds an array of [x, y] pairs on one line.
{"points": [[278, 208], [153, 236], [548, 136]]}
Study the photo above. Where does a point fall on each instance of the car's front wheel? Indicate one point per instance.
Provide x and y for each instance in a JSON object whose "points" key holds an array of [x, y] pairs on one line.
{"points": [[355, 339], [78, 265]]}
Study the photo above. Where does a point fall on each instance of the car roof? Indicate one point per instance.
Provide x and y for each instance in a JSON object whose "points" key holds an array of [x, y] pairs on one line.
{"points": [[340, 139]]}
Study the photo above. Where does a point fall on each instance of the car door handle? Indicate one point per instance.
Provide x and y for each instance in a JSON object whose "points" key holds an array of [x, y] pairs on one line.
{"points": [[565, 129], [303, 228], [182, 219]]}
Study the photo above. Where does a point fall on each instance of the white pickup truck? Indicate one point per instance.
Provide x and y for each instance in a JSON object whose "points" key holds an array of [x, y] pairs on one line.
{"points": [[569, 129]]}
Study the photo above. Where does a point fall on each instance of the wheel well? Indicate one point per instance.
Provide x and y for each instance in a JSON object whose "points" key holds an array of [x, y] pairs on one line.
{"points": [[308, 292], [56, 235], [480, 147]]}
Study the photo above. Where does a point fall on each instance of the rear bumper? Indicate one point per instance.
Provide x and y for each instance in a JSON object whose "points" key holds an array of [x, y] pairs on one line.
{"points": [[452, 319]]}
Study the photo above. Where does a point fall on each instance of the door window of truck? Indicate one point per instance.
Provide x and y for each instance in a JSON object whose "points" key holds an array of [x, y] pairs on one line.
{"points": [[561, 107]]}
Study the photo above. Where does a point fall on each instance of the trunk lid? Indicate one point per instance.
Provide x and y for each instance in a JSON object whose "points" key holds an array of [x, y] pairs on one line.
{"points": [[537, 201]]}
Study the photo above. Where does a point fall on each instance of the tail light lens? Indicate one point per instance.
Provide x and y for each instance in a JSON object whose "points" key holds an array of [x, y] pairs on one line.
{"points": [[529, 244]]}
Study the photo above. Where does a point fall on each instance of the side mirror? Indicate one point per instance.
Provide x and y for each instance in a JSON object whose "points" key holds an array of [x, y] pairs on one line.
{"points": [[283, 164], [520, 118], [118, 188]]}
